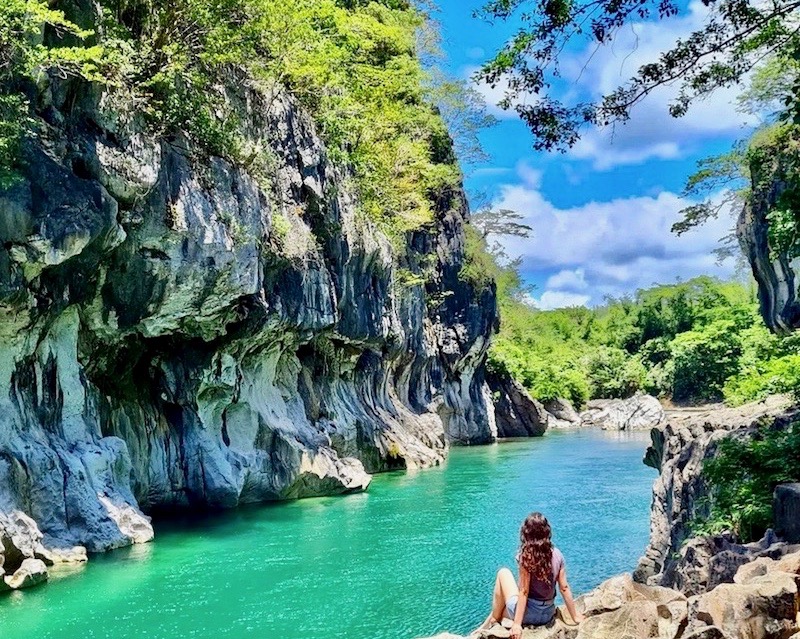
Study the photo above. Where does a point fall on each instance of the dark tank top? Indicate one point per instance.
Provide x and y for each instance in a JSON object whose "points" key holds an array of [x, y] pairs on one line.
{"points": [[546, 590]]}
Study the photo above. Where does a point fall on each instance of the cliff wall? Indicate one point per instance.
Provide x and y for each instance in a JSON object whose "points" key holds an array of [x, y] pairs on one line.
{"points": [[179, 331]]}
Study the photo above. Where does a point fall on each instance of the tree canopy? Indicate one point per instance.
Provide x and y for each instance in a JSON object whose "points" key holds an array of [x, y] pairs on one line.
{"points": [[734, 38]]}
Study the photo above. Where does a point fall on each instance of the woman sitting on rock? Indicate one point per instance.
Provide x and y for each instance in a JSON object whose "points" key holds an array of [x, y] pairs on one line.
{"points": [[540, 565]]}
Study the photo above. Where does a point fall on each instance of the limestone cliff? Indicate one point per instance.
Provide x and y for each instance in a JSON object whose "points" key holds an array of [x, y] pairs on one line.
{"points": [[181, 332]]}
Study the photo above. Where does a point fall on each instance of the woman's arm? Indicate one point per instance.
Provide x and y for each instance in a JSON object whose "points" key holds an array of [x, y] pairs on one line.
{"points": [[522, 602], [566, 592]]}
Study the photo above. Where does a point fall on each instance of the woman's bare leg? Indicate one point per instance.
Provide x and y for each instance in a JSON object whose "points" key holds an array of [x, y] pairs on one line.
{"points": [[505, 587]]}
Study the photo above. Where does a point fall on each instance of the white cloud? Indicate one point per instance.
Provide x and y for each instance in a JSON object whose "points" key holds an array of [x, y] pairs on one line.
{"points": [[608, 248], [568, 280], [651, 133], [558, 299], [492, 95]]}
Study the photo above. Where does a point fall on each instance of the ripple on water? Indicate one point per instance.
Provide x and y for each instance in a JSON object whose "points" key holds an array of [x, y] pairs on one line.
{"points": [[415, 555]]}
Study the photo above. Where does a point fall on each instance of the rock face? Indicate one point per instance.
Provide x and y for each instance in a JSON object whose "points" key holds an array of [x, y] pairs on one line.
{"points": [[516, 413], [640, 412], [31, 573], [179, 331], [703, 563], [786, 510], [775, 272], [678, 450], [562, 414], [756, 607]]}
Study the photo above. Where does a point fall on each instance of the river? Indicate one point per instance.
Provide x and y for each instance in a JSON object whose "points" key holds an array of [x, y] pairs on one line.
{"points": [[413, 556]]}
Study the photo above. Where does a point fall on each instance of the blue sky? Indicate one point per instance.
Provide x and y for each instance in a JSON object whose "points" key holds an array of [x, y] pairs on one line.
{"points": [[601, 213]]}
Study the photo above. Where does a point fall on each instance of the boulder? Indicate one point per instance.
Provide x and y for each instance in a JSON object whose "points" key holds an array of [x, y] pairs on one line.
{"points": [[19, 537], [516, 413], [562, 414], [651, 610], [786, 511], [640, 412], [638, 620], [764, 608], [703, 563], [31, 573]]}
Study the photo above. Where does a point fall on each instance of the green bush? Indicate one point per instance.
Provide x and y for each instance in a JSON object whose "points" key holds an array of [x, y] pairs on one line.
{"points": [[742, 476], [763, 378], [726, 350], [613, 373], [704, 359]]}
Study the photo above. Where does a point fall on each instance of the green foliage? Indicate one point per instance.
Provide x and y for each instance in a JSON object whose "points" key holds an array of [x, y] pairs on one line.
{"points": [[694, 341], [742, 477], [732, 39], [614, 373], [764, 378], [353, 64], [24, 55], [704, 360]]}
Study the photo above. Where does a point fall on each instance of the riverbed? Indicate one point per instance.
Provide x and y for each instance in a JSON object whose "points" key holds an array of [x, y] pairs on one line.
{"points": [[414, 555]]}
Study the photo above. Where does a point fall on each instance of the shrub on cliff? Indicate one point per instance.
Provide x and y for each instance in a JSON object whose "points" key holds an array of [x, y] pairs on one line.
{"points": [[353, 65], [742, 476]]}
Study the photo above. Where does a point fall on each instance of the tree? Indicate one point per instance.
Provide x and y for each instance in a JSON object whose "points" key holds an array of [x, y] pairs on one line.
{"points": [[736, 36]]}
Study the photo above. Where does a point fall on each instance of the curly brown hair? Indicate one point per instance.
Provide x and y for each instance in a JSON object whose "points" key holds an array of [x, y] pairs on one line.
{"points": [[536, 548]]}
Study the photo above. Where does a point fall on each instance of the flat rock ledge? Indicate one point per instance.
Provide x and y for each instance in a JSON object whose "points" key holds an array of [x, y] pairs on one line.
{"points": [[761, 603]]}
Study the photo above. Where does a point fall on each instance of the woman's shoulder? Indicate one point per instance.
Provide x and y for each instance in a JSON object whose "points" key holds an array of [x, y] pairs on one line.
{"points": [[557, 555]]}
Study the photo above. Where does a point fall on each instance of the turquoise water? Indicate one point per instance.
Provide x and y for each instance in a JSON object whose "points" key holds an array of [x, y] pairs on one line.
{"points": [[413, 556]]}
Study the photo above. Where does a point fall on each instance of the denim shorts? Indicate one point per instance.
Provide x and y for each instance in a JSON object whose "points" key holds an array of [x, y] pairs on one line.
{"points": [[537, 613]]}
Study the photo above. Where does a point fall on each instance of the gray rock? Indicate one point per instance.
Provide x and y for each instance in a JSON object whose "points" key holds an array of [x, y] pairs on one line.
{"points": [[786, 511], [31, 572], [680, 447], [640, 412], [774, 271], [516, 413], [765, 608], [562, 410]]}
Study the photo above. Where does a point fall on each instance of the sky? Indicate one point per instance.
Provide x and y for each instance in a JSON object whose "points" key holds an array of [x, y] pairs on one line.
{"points": [[601, 213]]}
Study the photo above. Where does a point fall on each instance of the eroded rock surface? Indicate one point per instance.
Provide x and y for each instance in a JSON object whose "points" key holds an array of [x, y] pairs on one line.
{"points": [[178, 331], [678, 451], [516, 413], [640, 412]]}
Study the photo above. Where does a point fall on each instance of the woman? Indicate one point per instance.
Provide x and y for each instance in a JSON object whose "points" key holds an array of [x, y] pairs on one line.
{"points": [[540, 566]]}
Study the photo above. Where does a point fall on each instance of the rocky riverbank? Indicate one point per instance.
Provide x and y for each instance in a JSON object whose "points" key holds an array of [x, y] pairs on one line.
{"points": [[701, 587], [760, 603]]}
